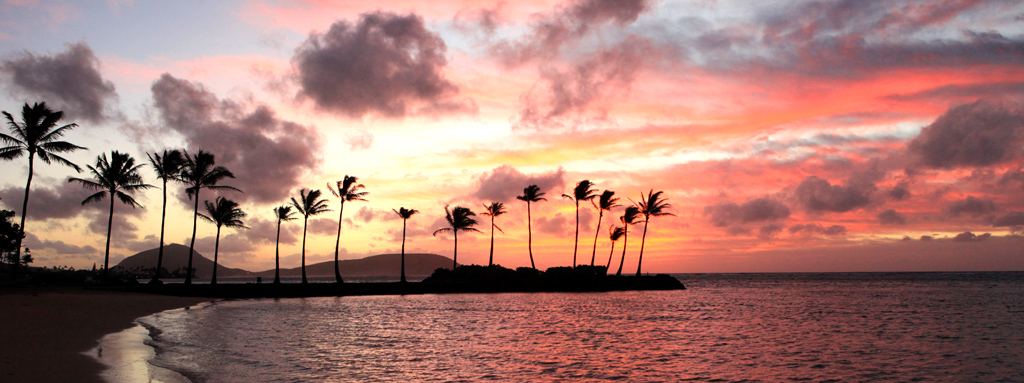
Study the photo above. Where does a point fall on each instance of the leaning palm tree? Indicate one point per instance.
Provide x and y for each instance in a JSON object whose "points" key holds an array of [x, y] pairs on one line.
{"points": [[346, 190], [197, 174], [168, 168], [614, 233], [310, 204], [606, 202], [583, 191], [36, 135], [650, 205], [224, 213], [493, 210], [531, 193], [405, 214], [459, 219], [117, 177], [283, 213], [629, 217]]}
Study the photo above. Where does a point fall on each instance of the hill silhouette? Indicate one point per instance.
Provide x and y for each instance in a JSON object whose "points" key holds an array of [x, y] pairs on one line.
{"points": [[176, 257]]}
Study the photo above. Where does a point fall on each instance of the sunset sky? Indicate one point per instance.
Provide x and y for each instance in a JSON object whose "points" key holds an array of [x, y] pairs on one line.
{"points": [[786, 135]]}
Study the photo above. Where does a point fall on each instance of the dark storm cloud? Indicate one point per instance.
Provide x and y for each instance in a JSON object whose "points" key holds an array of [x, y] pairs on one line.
{"points": [[59, 247], [769, 231], [892, 217], [976, 134], [64, 200], [505, 182], [817, 229], [970, 237], [899, 192], [387, 64], [755, 210], [818, 195], [971, 206], [267, 155], [964, 91], [69, 81], [1010, 219]]}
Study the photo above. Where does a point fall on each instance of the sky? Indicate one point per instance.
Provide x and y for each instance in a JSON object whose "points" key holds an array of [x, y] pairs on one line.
{"points": [[788, 136]]}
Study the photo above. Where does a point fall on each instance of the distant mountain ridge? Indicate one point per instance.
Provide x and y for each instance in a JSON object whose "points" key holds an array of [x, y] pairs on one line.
{"points": [[176, 257]]}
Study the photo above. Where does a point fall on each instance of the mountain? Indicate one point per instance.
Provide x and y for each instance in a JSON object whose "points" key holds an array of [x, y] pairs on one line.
{"points": [[176, 257]]}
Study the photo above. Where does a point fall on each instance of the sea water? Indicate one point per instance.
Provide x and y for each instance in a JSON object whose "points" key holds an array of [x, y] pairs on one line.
{"points": [[724, 327]]}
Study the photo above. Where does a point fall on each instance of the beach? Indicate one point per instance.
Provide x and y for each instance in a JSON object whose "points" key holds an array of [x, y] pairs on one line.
{"points": [[45, 332]]}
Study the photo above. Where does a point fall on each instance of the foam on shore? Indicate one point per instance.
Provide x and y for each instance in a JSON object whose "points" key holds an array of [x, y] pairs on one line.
{"points": [[127, 355]]}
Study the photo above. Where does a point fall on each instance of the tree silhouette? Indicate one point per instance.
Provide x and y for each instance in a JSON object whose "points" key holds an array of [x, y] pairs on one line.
{"points": [[223, 212], [117, 177], [650, 205], [614, 233], [405, 214], [582, 192], [459, 219], [493, 210], [629, 217], [347, 190], [36, 135], [198, 173], [283, 213], [606, 202], [168, 168], [531, 193], [310, 204]]}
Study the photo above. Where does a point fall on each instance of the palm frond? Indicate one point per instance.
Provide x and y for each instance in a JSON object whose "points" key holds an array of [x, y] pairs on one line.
{"points": [[95, 197], [442, 230], [11, 152], [128, 200]]}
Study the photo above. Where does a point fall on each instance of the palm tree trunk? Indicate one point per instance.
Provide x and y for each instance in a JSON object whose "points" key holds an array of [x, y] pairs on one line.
{"points": [[455, 257], [490, 261], [110, 223], [192, 245], [337, 242], [643, 239], [24, 210], [593, 254], [625, 240], [304, 221], [277, 255], [216, 249], [576, 243], [403, 250], [160, 253], [610, 257], [529, 231]]}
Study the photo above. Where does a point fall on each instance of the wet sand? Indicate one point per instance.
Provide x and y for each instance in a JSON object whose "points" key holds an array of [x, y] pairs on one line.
{"points": [[45, 333]]}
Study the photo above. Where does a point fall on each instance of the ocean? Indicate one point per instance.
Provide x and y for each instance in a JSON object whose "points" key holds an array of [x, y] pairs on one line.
{"points": [[850, 327]]}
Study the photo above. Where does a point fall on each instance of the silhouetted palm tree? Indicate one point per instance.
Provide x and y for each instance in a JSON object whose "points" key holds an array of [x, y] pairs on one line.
{"points": [[168, 168], [283, 213], [629, 217], [311, 205], [614, 233], [607, 201], [493, 210], [223, 212], [583, 191], [459, 219], [650, 205], [117, 177], [36, 135], [197, 174], [347, 190], [531, 193], [405, 214]]}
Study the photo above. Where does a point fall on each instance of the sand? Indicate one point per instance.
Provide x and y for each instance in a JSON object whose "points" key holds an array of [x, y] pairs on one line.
{"points": [[46, 332]]}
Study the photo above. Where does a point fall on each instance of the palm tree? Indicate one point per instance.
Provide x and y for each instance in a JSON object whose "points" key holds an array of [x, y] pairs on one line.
{"points": [[629, 217], [168, 168], [311, 205], [493, 210], [582, 192], [405, 214], [607, 201], [118, 177], [459, 219], [283, 213], [347, 190], [223, 212], [197, 174], [36, 135], [531, 193], [614, 233], [650, 205]]}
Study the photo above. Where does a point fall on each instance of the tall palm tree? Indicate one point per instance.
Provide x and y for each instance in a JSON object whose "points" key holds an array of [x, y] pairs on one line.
{"points": [[283, 213], [117, 177], [198, 173], [36, 135], [493, 210], [584, 191], [531, 193], [459, 219], [629, 217], [168, 168], [310, 204], [614, 233], [226, 213], [606, 202], [651, 205], [405, 214], [346, 190]]}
